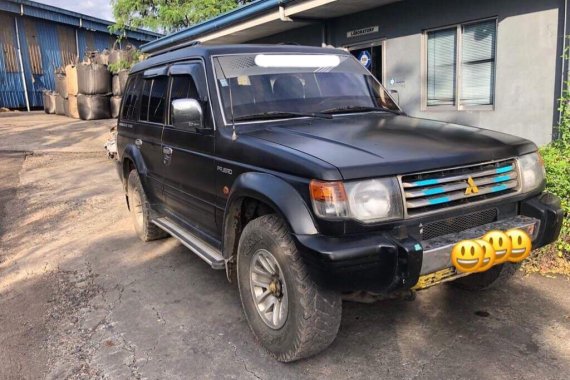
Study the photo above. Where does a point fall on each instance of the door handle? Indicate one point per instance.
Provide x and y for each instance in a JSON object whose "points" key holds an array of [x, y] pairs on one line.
{"points": [[166, 155], [138, 142]]}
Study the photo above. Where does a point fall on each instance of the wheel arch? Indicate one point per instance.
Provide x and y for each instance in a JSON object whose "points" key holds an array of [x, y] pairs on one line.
{"points": [[131, 159], [132, 155], [257, 194]]}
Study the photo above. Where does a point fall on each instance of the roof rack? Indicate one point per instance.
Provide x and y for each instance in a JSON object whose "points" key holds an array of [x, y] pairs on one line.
{"points": [[177, 47]]}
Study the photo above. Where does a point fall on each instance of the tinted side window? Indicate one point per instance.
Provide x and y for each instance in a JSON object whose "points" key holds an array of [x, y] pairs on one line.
{"points": [[183, 86], [131, 97], [158, 100], [144, 99]]}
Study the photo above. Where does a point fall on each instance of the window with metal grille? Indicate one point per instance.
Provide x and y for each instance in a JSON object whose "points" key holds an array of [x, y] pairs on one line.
{"points": [[460, 65]]}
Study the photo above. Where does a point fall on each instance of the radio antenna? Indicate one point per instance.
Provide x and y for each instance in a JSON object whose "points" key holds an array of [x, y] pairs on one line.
{"points": [[234, 134]]}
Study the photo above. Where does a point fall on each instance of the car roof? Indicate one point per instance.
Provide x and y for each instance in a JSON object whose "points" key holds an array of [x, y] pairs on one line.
{"points": [[207, 51]]}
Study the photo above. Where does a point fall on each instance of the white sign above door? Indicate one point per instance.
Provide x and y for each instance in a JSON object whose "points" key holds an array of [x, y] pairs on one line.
{"points": [[363, 31]]}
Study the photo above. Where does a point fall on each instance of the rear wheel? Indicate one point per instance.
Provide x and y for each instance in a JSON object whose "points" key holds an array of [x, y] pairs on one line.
{"points": [[140, 210], [290, 315], [496, 276]]}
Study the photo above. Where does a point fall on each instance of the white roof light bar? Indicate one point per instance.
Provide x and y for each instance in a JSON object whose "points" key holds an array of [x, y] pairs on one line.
{"points": [[297, 60]]}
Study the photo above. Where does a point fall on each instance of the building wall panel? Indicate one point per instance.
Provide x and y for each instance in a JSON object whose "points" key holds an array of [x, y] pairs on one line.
{"points": [[11, 88], [102, 41], [529, 37], [67, 46], [45, 35]]}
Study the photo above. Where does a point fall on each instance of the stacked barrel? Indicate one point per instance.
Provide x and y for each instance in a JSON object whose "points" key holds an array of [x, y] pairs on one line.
{"points": [[70, 105], [119, 61], [49, 101], [89, 90], [94, 90], [60, 91]]}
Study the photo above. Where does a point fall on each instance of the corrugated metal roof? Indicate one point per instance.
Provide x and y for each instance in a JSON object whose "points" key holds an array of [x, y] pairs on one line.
{"points": [[48, 12]]}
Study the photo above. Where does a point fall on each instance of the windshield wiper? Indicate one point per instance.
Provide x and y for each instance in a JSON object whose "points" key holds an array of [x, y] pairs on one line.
{"points": [[347, 109], [280, 114]]}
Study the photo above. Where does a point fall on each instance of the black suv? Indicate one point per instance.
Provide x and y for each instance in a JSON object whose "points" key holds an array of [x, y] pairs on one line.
{"points": [[294, 170]]}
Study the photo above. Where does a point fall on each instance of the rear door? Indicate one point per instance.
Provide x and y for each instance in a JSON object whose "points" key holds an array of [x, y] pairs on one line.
{"points": [[188, 156], [149, 130]]}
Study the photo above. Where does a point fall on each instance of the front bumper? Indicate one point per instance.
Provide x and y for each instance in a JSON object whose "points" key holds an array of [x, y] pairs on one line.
{"points": [[382, 263]]}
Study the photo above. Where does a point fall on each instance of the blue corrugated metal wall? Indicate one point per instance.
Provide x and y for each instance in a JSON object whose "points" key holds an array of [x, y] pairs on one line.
{"points": [[82, 43], [103, 41], [45, 35], [12, 90]]}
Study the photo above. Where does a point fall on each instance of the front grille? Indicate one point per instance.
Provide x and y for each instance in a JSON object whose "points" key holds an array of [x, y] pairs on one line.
{"points": [[427, 192], [457, 224]]}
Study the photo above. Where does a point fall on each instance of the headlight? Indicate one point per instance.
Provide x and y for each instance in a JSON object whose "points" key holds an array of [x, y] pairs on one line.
{"points": [[368, 201], [532, 172]]}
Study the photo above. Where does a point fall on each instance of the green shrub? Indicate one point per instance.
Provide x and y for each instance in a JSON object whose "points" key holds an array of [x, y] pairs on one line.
{"points": [[121, 65], [557, 162], [556, 257]]}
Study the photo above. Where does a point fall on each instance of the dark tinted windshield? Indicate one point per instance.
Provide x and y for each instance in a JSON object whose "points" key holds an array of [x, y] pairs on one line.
{"points": [[295, 83]]}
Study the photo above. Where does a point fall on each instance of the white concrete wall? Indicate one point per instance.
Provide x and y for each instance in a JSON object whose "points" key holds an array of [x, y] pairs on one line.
{"points": [[529, 46], [525, 79]]}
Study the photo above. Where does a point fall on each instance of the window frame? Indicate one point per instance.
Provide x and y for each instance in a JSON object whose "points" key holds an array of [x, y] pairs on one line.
{"points": [[206, 102], [458, 71]]}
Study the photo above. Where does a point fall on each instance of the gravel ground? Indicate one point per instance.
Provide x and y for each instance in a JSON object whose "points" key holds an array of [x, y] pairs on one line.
{"points": [[82, 297]]}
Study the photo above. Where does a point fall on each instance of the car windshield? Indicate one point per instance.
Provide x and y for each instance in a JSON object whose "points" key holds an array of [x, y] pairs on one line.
{"points": [[271, 86]]}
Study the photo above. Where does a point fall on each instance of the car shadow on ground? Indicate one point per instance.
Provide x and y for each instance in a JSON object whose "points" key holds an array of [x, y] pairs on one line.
{"points": [[186, 318]]}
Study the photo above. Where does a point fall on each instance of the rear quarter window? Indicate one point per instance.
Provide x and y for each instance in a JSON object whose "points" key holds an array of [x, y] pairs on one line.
{"points": [[131, 97]]}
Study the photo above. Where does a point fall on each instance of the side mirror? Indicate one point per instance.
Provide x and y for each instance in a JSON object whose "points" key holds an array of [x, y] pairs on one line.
{"points": [[395, 95], [187, 113]]}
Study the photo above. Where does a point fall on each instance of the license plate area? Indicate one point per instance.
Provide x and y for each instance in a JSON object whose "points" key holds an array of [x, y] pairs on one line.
{"points": [[437, 251]]}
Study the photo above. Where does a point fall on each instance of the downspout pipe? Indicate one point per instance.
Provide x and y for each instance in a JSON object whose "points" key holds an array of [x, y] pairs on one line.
{"points": [[21, 64], [563, 74], [237, 15]]}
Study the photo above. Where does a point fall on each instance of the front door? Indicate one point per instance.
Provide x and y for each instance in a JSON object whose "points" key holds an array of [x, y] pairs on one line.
{"points": [[148, 130], [188, 157], [371, 58]]}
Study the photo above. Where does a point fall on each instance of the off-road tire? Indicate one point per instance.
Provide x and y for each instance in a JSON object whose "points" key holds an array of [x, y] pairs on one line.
{"points": [[145, 229], [496, 276], [314, 313]]}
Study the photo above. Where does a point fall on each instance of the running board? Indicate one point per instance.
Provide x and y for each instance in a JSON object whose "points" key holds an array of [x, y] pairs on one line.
{"points": [[204, 250]]}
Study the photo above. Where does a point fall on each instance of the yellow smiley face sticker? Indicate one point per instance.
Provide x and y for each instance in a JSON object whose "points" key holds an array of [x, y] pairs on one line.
{"points": [[501, 244], [467, 256], [488, 255], [521, 245]]}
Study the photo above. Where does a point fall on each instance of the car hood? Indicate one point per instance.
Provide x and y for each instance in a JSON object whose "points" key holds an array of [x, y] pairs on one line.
{"points": [[378, 144]]}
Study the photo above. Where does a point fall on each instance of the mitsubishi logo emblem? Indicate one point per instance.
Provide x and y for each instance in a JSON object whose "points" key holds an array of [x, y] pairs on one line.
{"points": [[471, 187]]}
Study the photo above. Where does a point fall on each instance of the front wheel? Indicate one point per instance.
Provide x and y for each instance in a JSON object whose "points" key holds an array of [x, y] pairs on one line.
{"points": [[290, 315]]}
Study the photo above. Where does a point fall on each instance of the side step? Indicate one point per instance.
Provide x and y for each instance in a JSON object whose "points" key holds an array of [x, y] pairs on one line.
{"points": [[204, 250]]}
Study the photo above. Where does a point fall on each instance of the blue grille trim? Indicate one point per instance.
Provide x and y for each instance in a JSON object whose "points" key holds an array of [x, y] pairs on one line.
{"points": [[504, 169], [436, 201]]}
